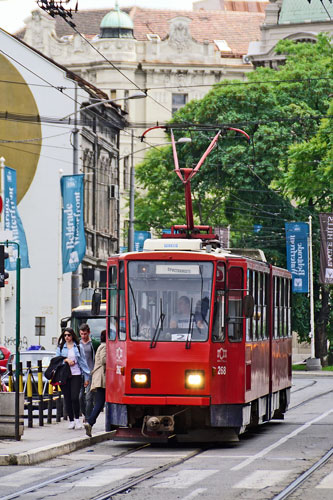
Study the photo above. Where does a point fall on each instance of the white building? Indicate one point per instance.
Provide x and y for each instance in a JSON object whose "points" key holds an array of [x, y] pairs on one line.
{"points": [[36, 93]]}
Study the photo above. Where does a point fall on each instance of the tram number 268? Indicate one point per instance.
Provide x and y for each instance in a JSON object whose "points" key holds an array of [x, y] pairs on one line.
{"points": [[221, 370]]}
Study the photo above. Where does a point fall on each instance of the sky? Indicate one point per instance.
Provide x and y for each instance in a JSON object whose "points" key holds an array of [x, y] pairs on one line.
{"points": [[13, 12]]}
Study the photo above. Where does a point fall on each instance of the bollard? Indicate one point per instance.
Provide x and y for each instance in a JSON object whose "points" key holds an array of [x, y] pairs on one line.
{"points": [[59, 404], [40, 393], [29, 394], [21, 389], [50, 404], [10, 378]]}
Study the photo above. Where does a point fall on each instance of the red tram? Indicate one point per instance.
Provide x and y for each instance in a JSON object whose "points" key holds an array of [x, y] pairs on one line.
{"points": [[199, 338]]}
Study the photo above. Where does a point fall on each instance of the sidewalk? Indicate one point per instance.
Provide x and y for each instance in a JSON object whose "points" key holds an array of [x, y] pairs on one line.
{"points": [[43, 443]]}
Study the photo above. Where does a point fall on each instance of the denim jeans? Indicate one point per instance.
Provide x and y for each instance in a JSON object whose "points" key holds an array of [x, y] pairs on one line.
{"points": [[98, 407]]}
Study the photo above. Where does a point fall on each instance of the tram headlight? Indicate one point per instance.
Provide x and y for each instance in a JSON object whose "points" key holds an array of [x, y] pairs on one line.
{"points": [[140, 378], [194, 379]]}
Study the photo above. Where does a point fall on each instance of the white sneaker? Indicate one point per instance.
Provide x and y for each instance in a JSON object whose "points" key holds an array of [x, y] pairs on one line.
{"points": [[71, 425], [78, 424]]}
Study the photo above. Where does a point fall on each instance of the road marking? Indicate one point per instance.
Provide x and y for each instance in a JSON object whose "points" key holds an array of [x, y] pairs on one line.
{"points": [[261, 479], [283, 440], [327, 482], [86, 456], [23, 476], [103, 478], [157, 455], [185, 478], [195, 493]]}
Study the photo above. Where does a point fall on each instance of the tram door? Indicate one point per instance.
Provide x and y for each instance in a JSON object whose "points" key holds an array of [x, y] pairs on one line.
{"points": [[116, 331], [219, 354]]}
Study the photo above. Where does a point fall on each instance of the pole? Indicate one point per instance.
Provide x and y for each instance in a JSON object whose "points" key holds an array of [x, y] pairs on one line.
{"points": [[17, 354], [2, 227], [311, 290], [60, 276], [75, 274], [131, 208]]}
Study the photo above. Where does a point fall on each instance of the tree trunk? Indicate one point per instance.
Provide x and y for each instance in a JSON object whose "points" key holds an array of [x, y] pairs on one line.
{"points": [[321, 320]]}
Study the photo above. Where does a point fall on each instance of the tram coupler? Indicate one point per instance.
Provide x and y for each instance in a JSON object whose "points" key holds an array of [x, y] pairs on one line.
{"points": [[161, 423]]}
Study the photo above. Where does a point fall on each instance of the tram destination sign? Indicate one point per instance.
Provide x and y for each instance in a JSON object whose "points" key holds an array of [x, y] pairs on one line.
{"points": [[178, 269]]}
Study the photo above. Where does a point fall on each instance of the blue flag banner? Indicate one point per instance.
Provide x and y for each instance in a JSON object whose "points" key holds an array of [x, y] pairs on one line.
{"points": [[297, 234], [73, 237], [13, 221], [139, 239]]}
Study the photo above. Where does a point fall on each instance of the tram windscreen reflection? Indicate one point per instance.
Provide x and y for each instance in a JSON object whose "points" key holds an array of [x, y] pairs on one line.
{"points": [[173, 298]]}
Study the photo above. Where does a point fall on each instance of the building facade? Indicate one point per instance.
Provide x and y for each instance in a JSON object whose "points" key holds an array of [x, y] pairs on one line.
{"points": [[37, 139], [296, 20]]}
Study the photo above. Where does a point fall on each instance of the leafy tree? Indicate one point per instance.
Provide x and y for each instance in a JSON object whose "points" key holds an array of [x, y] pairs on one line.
{"points": [[244, 184]]}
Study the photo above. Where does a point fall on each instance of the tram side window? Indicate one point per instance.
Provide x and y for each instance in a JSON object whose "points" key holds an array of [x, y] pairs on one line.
{"points": [[235, 304], [289, 307], [276, 307], [255, 298], [122, 322], [249, 321], [264, 307], [112, 302], [218, 321]]}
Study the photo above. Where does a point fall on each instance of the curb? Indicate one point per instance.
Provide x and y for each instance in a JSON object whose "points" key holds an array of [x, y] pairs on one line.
{"points": [[42, 454], [319, 373]]}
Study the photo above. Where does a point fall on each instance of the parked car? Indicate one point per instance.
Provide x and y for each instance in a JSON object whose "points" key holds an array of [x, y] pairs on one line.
{"points": [[34, 357], [4, 356]]}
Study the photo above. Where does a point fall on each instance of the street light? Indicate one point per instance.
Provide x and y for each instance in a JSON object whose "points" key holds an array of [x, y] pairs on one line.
{"points": [[137, 95]]}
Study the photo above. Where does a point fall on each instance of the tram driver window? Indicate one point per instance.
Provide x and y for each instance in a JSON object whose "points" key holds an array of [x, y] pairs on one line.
{"points": [[218, 321], [235, 304]]}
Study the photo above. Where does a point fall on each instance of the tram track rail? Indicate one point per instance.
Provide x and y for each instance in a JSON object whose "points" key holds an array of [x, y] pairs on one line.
{"points": [[71, 474], [292, 487], [310, 399], [127, 485]]}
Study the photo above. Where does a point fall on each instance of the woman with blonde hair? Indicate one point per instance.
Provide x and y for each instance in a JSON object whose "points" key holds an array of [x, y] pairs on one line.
{"points": [[98, 384]]}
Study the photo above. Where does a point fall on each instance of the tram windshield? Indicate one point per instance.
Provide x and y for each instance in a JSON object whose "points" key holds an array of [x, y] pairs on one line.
{"points": [[169, 301]]}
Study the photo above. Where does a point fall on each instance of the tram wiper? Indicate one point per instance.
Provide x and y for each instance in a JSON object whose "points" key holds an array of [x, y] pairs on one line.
{"points": [[158, 329], [135, 310]]}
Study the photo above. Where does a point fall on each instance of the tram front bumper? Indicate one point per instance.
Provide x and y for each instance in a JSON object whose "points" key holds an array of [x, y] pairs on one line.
{"points": [[166, 400]]}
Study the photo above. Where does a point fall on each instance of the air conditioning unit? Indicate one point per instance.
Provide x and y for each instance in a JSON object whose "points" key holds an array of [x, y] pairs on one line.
{"points": [[246, 60], [113, 192]]}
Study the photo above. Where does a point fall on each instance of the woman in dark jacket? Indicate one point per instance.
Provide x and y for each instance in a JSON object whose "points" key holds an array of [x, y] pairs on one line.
{"points": [[68, 347]]}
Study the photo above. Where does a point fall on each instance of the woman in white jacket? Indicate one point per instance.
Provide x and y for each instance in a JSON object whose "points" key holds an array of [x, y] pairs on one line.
{"points": [[98, 384], [68, 347]]}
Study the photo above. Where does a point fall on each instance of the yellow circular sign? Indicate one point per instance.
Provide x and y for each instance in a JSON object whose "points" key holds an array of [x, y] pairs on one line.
{"points": [[20, 139]]}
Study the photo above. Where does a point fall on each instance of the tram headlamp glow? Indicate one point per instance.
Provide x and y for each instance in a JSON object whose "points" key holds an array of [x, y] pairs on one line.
{"points": [[140, 378], [194, 379]]}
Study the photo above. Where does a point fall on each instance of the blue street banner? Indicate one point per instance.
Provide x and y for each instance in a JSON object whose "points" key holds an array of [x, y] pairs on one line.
{"points": [[13, 221], [139, 238], [297, 234], [73, 237]]}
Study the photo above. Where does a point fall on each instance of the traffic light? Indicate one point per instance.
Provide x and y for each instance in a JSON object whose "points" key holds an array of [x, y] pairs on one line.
{"points": [[3, 275]]}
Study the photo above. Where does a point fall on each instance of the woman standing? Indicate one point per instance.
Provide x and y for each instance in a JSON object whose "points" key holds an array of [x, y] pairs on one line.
{"points": [[68, 347], [98, 384]]}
